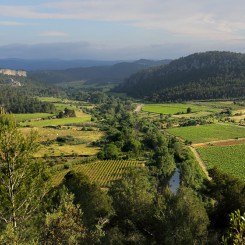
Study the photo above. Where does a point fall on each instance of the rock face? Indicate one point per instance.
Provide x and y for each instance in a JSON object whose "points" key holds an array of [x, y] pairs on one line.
{"points": [[10, 72]]}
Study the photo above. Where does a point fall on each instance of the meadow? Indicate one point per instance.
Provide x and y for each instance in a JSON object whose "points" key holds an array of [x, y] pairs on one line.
{"points": [[101, 172], [207, 133], [177, 108], [50, 146], [230, 159], [30, 116], [57, 121]]}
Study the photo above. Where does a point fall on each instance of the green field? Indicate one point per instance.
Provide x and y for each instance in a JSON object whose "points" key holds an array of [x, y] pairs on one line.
{"points": [[223, 104], [50, 99], [56, 122], [206, 133], [101, 172], [62, 106], [29, 116], [230, 159], [173, 108]]}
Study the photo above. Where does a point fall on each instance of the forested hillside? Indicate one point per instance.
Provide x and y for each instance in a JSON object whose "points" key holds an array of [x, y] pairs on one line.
{"points": [[17, 95], [210, 75], [96, 74]]}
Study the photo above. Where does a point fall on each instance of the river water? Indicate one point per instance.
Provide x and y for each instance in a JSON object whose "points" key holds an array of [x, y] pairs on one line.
{"points": [[174, 182]]}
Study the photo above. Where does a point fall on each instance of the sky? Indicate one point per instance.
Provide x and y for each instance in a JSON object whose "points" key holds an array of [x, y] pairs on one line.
{"points": [[119, 29]]}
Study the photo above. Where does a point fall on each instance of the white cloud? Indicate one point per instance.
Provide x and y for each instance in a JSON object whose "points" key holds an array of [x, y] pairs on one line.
{"points": [[186, 25], [10, 23], [210, 19], [53, 34]]}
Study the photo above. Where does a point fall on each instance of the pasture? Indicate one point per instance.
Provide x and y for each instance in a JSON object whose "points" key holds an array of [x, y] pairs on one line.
{"points": [[49, 145], [101, 172], [57, 121], [30, 116], [229, 159], [207, 133], [177, 108]]}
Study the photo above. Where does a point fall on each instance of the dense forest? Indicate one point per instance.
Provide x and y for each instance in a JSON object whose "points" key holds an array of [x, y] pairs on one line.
{"points": [[210, 75], [138, 209], [17, 95]]}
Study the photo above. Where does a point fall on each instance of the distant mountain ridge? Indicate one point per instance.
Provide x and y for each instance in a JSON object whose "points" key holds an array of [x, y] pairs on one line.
{"points": [[115, 73], [198, 76]]}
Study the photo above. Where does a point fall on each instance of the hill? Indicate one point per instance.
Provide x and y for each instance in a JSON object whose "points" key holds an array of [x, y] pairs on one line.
{"points": [[50, 64], [96, 74], [209, 75]]}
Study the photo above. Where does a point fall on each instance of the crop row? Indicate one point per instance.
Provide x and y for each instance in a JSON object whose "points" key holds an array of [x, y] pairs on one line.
{"points": [[101, 172], [207, 133], [230, 159]]}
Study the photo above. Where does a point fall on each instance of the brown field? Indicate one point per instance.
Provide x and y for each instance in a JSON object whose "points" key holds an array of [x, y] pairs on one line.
{"points": [[51, 133], [46, 134], [66, 150], [239, 141]]}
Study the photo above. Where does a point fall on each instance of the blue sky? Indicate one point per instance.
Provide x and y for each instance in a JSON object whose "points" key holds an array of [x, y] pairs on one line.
{"points": [[119, 29]]}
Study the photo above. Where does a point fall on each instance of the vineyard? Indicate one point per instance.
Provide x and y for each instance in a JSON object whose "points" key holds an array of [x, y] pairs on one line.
{"points": [[101, 172], [230, 159], [210, 132]]}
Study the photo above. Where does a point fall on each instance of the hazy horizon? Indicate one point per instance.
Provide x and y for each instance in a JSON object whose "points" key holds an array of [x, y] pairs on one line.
{"points": [[119, 30]]}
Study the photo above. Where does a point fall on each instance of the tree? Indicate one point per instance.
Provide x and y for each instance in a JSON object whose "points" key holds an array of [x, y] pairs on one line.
{"points": [[236, 233], [133, 200], [95, 203], [181, 219], [188, 110], [110, 151], [64, 225], [22, 183]]}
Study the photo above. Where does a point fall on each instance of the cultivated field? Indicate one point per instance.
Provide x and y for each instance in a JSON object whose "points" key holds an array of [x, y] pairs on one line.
{"points": [[101, 172], [174, 108], [207, 133], [30, 116], [57, 121], [230, 159]]}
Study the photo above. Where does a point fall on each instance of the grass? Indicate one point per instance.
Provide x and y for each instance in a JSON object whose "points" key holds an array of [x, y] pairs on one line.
{"points": [[50, 99], [229, 159], [222, 104], [62, 106], [56, 122], [174, 108], [101, 172], [54, 149], [29, 116], [206, 133]]}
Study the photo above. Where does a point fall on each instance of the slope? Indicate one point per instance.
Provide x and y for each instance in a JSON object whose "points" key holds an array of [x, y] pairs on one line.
{"points": [[209, 75]]}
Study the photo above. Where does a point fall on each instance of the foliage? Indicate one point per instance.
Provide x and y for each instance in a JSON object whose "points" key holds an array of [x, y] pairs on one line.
{"points": [[236, 234], [181, 219], [133, 198], [95, 204], [228, 194], [16, 101], [64, 224], [208, 75], [22, 179]]}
